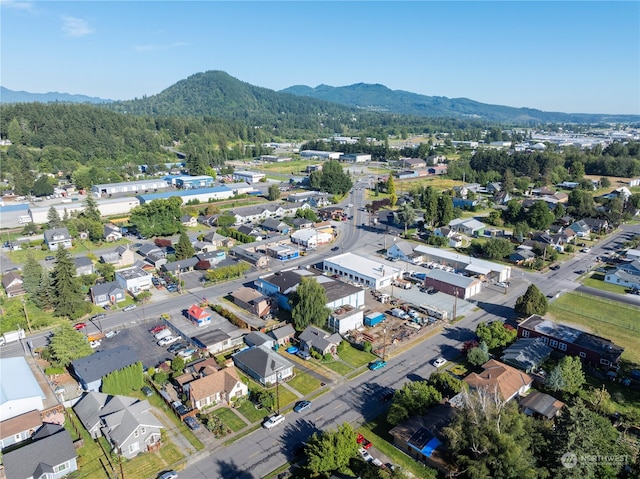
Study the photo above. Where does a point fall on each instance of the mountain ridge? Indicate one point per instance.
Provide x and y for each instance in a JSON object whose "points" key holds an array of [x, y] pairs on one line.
{"points": [[21, 96]]}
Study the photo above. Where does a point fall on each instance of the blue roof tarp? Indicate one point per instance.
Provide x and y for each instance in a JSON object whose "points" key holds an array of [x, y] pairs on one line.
{"points": [[431, 446]]}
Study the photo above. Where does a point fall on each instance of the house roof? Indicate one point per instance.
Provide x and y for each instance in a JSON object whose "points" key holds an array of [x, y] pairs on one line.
{"points": [[335, 290], [454, 279], [49, 234], [526, 353], [318, 338], [105, 288], [541, 403], [18, 381], [47, 429], [223, 380], [257, 338], [284, 280], [82, 261], [262, 361], [39, 457], [282, 332], [273, 223], [121, 424], [246, 295], [23, 422], [10, 277], [93, 367], [210, 337], [405, 248], [500, 377], [196, 311]]}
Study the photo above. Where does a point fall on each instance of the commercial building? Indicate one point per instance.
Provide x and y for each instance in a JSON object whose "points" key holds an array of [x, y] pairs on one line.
{"points": [[189, 182], [323, 155], [460, 262], [134, 279], [453, 284], [361, 270], [248, 176], [135, 187], [20, 391], [202, 195], [355, 158]]}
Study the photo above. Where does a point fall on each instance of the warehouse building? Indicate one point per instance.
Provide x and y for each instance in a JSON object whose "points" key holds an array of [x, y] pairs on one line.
{"points": [[323, 155], [202, 195], [135, 187], [248, 176], [461, 262], [457, 285], [361, 270], [190, 182]]}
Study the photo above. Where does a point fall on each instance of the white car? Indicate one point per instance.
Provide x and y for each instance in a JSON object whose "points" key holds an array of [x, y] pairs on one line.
{"points": [[131, 307], [365, 454], [439, 362], [95, 344], [168, 340], [273, 421], [586, 250]]}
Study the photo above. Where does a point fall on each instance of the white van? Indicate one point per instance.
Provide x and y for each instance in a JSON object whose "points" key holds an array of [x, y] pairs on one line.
{"points": [[165, 333]]}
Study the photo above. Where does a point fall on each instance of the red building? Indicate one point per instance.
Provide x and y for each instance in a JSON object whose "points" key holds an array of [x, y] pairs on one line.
{"points": [[198, 315]]}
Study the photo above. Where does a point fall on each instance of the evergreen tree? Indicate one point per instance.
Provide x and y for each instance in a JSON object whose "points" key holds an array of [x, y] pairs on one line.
{"points": [[68, 299], [67, 345], [53, 218], [44, 298], [309, 304], [31, 274], [184, 248], [91, 211], [391, 190], [331, 450], [42, 186], [532, 302], [445, 210], [274, 192]]}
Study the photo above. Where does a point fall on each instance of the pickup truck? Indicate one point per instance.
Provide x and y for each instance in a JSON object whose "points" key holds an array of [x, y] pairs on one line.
{"points": [[11, 337], [273, 421]]}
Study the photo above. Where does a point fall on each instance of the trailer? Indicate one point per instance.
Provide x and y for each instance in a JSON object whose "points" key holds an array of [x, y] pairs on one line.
{"points": [[434, 312], [401, 283], [373, 319], [12, 337]]}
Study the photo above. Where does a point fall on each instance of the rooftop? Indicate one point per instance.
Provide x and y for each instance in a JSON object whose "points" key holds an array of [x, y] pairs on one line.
{"points": [[363, 266]]}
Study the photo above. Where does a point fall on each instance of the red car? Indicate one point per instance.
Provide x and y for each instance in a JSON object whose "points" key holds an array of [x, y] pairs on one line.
{"points": [[360, 439], [157, 329], [79, 326]]}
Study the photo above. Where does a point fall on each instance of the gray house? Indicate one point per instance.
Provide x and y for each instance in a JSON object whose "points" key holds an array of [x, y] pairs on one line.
{"points": [[90, 370], [321, 341], [127, 423], [50, 457], [263, 364], [57, 237], [83, 265], [107, 293]]}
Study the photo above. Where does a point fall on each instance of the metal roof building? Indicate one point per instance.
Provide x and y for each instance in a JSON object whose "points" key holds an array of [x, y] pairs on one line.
{"points": [[361, 270]]}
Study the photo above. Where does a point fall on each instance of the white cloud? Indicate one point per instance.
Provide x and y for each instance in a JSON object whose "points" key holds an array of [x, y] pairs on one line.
{"points": [[75, 27], [26, 6], [152, 47]]}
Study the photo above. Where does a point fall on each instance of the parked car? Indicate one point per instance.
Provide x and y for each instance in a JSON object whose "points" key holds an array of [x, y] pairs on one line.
{"points": [[302, 406], [335, 248], [168, 340], [377, 364], [432, 291], [365, 454], [586, 250], [168, 475], [363, 441], [111, 334], [98, 316], [50, 258], [174, 348], [79, 326], [273, 421], [157, 329], [94, 344], [304, 355], [131, 307], [192, 423], [439, 362], [147, 391]]}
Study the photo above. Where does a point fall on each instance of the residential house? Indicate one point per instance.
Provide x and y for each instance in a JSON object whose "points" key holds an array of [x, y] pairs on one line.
{"points": [[469, 227], [253, 301], [632, 254], [272, 224], [13, 284], [502, 197], [526, 354], [463, 190], [57, 238], [494, 187], [443, 231], [120, 257], [313, 338], [581, 228], [258, 260], [258, 338], [522, 256], [283, 335], [214, 340], [19, 428], [218, 240], [465, 203], [331, 213], [264, 365], [198, 316], [420, 437], [403, 251], [107, 293], [112, 232], [217, 387], [597, 225], [301, 223], [413, 163], [250, 231], [90, 370], [83, 265], [50, 457], [189, 221], [127, 423], [180, 266], [455, 241], [621, 277], [591, 349], [540, 405], [500, 378], [632, 267]]}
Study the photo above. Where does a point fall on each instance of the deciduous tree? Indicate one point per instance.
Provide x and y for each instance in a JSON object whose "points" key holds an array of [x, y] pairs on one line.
{"points": [[532, 302], [309, 304], [412, 399], [331, 450]]}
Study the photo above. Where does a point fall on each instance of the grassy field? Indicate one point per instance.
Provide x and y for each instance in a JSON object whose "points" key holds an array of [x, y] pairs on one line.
{"points": [[229, 418], [355, 357], [610, 319], [596, 280], [303, 383]]}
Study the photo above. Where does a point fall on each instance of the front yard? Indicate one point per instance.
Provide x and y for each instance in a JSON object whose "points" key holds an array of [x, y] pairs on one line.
{"points": [[355, 357], [596, 280]]}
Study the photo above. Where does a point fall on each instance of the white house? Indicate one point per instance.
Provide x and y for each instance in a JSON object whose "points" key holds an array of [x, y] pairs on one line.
{"points": [[134, 279], [469, 226], [57, 238], [311, 237]]}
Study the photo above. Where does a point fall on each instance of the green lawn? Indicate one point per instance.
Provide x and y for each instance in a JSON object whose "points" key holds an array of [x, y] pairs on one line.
{"points": [[610, 319], [354, 356], [248, 410], [596, 280], [303, 383], [339, 367], [287, 397], [230, 419]]}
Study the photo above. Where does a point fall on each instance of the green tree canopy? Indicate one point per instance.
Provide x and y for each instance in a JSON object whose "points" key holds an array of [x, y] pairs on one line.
{"points": [[68, 299], [158, 217], [496, 334], [67, 345], [331, 450], [333, 179], [309, 304], [42, 186], [497, 248], [274, 192], [184, 248], [532, 302], [567, 376], [53, 218], [412, 399], [31, 274]]}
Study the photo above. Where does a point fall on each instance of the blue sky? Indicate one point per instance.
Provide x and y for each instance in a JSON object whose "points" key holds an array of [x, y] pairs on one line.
{"points": [[554, 56]]}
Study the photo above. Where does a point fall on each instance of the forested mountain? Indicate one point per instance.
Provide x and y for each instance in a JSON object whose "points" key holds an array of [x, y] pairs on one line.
{"points": [[11, 96], [379, 98]]}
